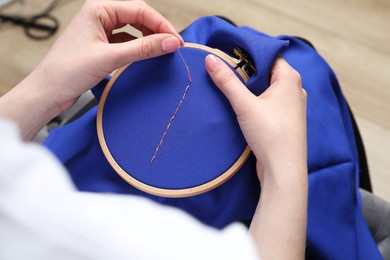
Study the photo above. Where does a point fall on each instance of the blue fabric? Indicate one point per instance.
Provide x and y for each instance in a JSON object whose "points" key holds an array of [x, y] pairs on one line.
{"points": [[336, 228], [135, 118]]}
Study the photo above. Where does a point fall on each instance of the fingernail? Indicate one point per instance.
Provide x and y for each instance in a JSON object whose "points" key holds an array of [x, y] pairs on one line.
{"points": [[170, 29], [212, 62], [170, 44]]}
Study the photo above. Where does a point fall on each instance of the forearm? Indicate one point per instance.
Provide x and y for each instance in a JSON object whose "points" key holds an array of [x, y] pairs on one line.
{"points": [[29, 104], [279, 224]]}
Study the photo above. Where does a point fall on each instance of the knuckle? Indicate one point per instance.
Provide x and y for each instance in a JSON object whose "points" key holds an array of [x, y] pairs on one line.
{"points": [[147, 49], [141, 13], [295, 76], [304, 94]]}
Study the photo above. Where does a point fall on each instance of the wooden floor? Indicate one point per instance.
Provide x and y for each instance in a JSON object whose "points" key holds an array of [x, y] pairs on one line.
{"points": [[352, 35]]}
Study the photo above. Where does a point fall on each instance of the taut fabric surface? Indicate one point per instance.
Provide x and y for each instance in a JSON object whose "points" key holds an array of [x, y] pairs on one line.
{"points": [[202, 141]]}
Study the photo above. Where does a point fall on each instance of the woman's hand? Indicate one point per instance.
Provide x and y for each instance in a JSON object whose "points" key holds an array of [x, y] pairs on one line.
{"points": [[88, 50], [84, 54], [274, 125]]}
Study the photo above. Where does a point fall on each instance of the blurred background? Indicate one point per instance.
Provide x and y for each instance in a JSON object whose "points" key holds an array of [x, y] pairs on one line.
{"points": [[352, 35]]}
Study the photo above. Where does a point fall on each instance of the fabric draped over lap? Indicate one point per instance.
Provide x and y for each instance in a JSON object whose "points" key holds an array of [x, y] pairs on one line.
{"points": [[336, 228]]}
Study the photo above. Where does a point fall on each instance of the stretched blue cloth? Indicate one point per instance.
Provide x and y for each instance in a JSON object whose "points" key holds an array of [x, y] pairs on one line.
{"points": [[163, 143], [336, 228]]}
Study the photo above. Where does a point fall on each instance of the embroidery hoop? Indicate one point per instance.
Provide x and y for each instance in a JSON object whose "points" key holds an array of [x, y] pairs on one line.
{"points": [[163, 192]]}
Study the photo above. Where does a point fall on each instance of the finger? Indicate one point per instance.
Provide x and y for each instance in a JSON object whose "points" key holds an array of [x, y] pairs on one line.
{"points": [[227, 82], [138, 12], [281, 70], [142, 48]]}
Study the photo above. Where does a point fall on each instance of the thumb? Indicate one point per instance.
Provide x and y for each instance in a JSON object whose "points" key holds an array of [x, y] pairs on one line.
{"points": [[143, 48], [225, 79]]}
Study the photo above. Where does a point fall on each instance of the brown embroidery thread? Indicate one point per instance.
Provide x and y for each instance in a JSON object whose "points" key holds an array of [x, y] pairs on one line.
{"points": [[176, 110]]}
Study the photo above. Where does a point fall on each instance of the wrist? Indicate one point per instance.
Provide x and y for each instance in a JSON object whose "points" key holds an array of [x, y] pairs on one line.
{"points": [[283, 173], [30, 105]]}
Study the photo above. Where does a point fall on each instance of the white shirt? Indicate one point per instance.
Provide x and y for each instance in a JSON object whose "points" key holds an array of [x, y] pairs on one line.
{"points": [[43, 216]]}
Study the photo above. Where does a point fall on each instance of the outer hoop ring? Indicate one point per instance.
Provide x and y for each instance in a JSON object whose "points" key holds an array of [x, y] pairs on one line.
{"points": [[172, 193]]}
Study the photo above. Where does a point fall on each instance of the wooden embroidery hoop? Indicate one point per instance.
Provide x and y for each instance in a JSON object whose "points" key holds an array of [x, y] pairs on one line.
{"points": [[172, 193]]}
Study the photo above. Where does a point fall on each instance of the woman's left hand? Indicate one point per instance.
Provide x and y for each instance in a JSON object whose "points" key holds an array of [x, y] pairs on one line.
{"points": [[86, 52]]}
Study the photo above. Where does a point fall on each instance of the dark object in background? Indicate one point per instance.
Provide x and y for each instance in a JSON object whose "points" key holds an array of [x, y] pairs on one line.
{"points": [[40, 26]]}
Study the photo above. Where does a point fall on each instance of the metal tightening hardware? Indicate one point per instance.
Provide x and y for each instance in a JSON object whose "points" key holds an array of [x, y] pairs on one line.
{"points": [[243, 61]]}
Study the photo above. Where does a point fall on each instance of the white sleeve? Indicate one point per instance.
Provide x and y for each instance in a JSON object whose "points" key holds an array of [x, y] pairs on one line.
{"points": [[42, 216]]}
